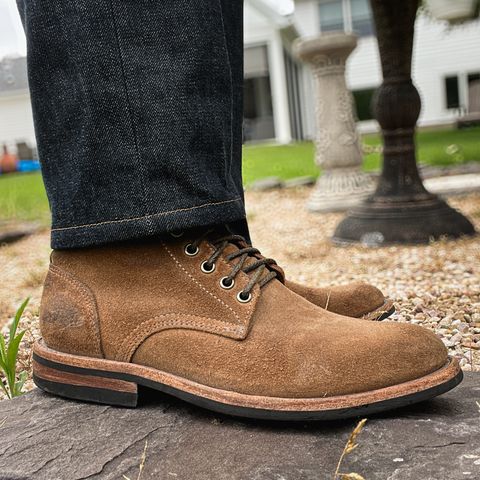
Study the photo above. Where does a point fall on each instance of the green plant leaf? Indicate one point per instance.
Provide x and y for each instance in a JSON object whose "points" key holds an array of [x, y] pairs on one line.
{"points": [[12, 351], [3, 366], [18, 316], [3, 348], [22, 378], [8, 357]]}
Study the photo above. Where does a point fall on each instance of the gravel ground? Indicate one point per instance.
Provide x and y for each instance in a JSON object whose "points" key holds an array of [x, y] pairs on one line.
{"points": [[436, 285]]}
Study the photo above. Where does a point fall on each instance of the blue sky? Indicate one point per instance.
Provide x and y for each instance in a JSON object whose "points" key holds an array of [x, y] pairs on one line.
{"points": [[12, 40]]}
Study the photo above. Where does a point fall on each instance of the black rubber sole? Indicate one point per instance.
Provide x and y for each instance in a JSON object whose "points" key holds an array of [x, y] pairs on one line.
{"points": [[128, 399]]}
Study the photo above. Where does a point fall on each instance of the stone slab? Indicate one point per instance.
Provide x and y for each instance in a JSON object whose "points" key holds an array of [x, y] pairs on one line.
{"points": [[10, 233], [47, 438], [454, 184], [305, 181], [267, 183]]}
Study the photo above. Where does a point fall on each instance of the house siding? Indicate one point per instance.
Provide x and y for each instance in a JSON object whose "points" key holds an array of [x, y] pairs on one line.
{"points": [[440, 51], [16, 122]]}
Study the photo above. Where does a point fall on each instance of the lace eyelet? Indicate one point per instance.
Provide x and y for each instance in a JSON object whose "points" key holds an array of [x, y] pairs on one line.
{"points": [[241, 299], [190, 250], [176, 234], [207, 267], [226, 286]]}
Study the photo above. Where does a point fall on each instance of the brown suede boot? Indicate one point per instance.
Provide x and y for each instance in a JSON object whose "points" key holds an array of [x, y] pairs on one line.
{"points": [[199, 319], [357, 299]]}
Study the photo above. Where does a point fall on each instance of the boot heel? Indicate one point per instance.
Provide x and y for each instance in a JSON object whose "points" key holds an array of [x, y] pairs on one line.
{"points": [[83, 384]]}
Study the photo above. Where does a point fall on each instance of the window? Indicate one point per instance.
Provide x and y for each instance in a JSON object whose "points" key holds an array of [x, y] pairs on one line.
{"points": [[346, 15], [331, 15], [362, 23], [258, 121], [473, 90], [363, 102], [473, 77], [452, 95]]}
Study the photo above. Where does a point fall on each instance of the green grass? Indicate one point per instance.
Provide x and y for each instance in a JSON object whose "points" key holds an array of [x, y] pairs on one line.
{"points": [[284, 161], [287, 161], [22, 196]]}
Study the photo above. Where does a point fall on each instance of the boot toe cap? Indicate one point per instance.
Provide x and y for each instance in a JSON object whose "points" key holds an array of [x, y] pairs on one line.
{"points": [[388, 354]]}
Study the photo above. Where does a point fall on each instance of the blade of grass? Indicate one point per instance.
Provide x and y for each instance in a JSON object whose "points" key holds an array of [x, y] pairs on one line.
{"points": [[11, 385], [350, 446], [3, 366], [143, 460], [3, 349], [18, 316], [12, 353]]}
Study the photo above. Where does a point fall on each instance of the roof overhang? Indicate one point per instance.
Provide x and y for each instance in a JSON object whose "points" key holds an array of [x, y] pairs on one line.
{"points": [[284, 23]]}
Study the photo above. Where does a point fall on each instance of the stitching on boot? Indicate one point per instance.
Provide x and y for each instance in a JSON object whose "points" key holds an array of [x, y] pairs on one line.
{"points": [[91, 320], [161, 322], [199, 284]]}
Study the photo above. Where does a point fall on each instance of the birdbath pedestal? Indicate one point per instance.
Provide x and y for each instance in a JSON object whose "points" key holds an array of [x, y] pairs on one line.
{"points": [[401, 210], [342, 183]]}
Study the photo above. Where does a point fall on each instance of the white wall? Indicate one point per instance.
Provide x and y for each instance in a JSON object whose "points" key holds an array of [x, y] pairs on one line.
{"points": [[16, 122], [442, 51]]}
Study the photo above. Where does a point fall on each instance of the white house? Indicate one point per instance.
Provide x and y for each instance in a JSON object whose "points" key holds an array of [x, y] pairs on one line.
{"points": [[446, 66], [278, 94], [16, 122]]}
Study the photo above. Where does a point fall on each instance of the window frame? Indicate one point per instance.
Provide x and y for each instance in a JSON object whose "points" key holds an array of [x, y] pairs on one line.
{"points": [[372, 23], [467, 87], [445, 91], [320, 16], [347, 18]]}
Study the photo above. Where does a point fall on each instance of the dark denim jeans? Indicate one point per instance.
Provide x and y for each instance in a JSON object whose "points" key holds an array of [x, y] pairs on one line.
{"points": [[138, 115]]}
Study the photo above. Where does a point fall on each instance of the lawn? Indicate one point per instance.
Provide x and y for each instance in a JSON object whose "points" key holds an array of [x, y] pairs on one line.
{"points": [[440, 147], [22, 196]]}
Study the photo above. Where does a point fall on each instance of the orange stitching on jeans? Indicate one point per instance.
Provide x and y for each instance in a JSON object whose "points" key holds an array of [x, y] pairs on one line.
{"points": [[146, 216]]}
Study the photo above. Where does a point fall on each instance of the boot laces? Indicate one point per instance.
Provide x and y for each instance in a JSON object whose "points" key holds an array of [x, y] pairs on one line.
{"points": [[258, 270]]}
